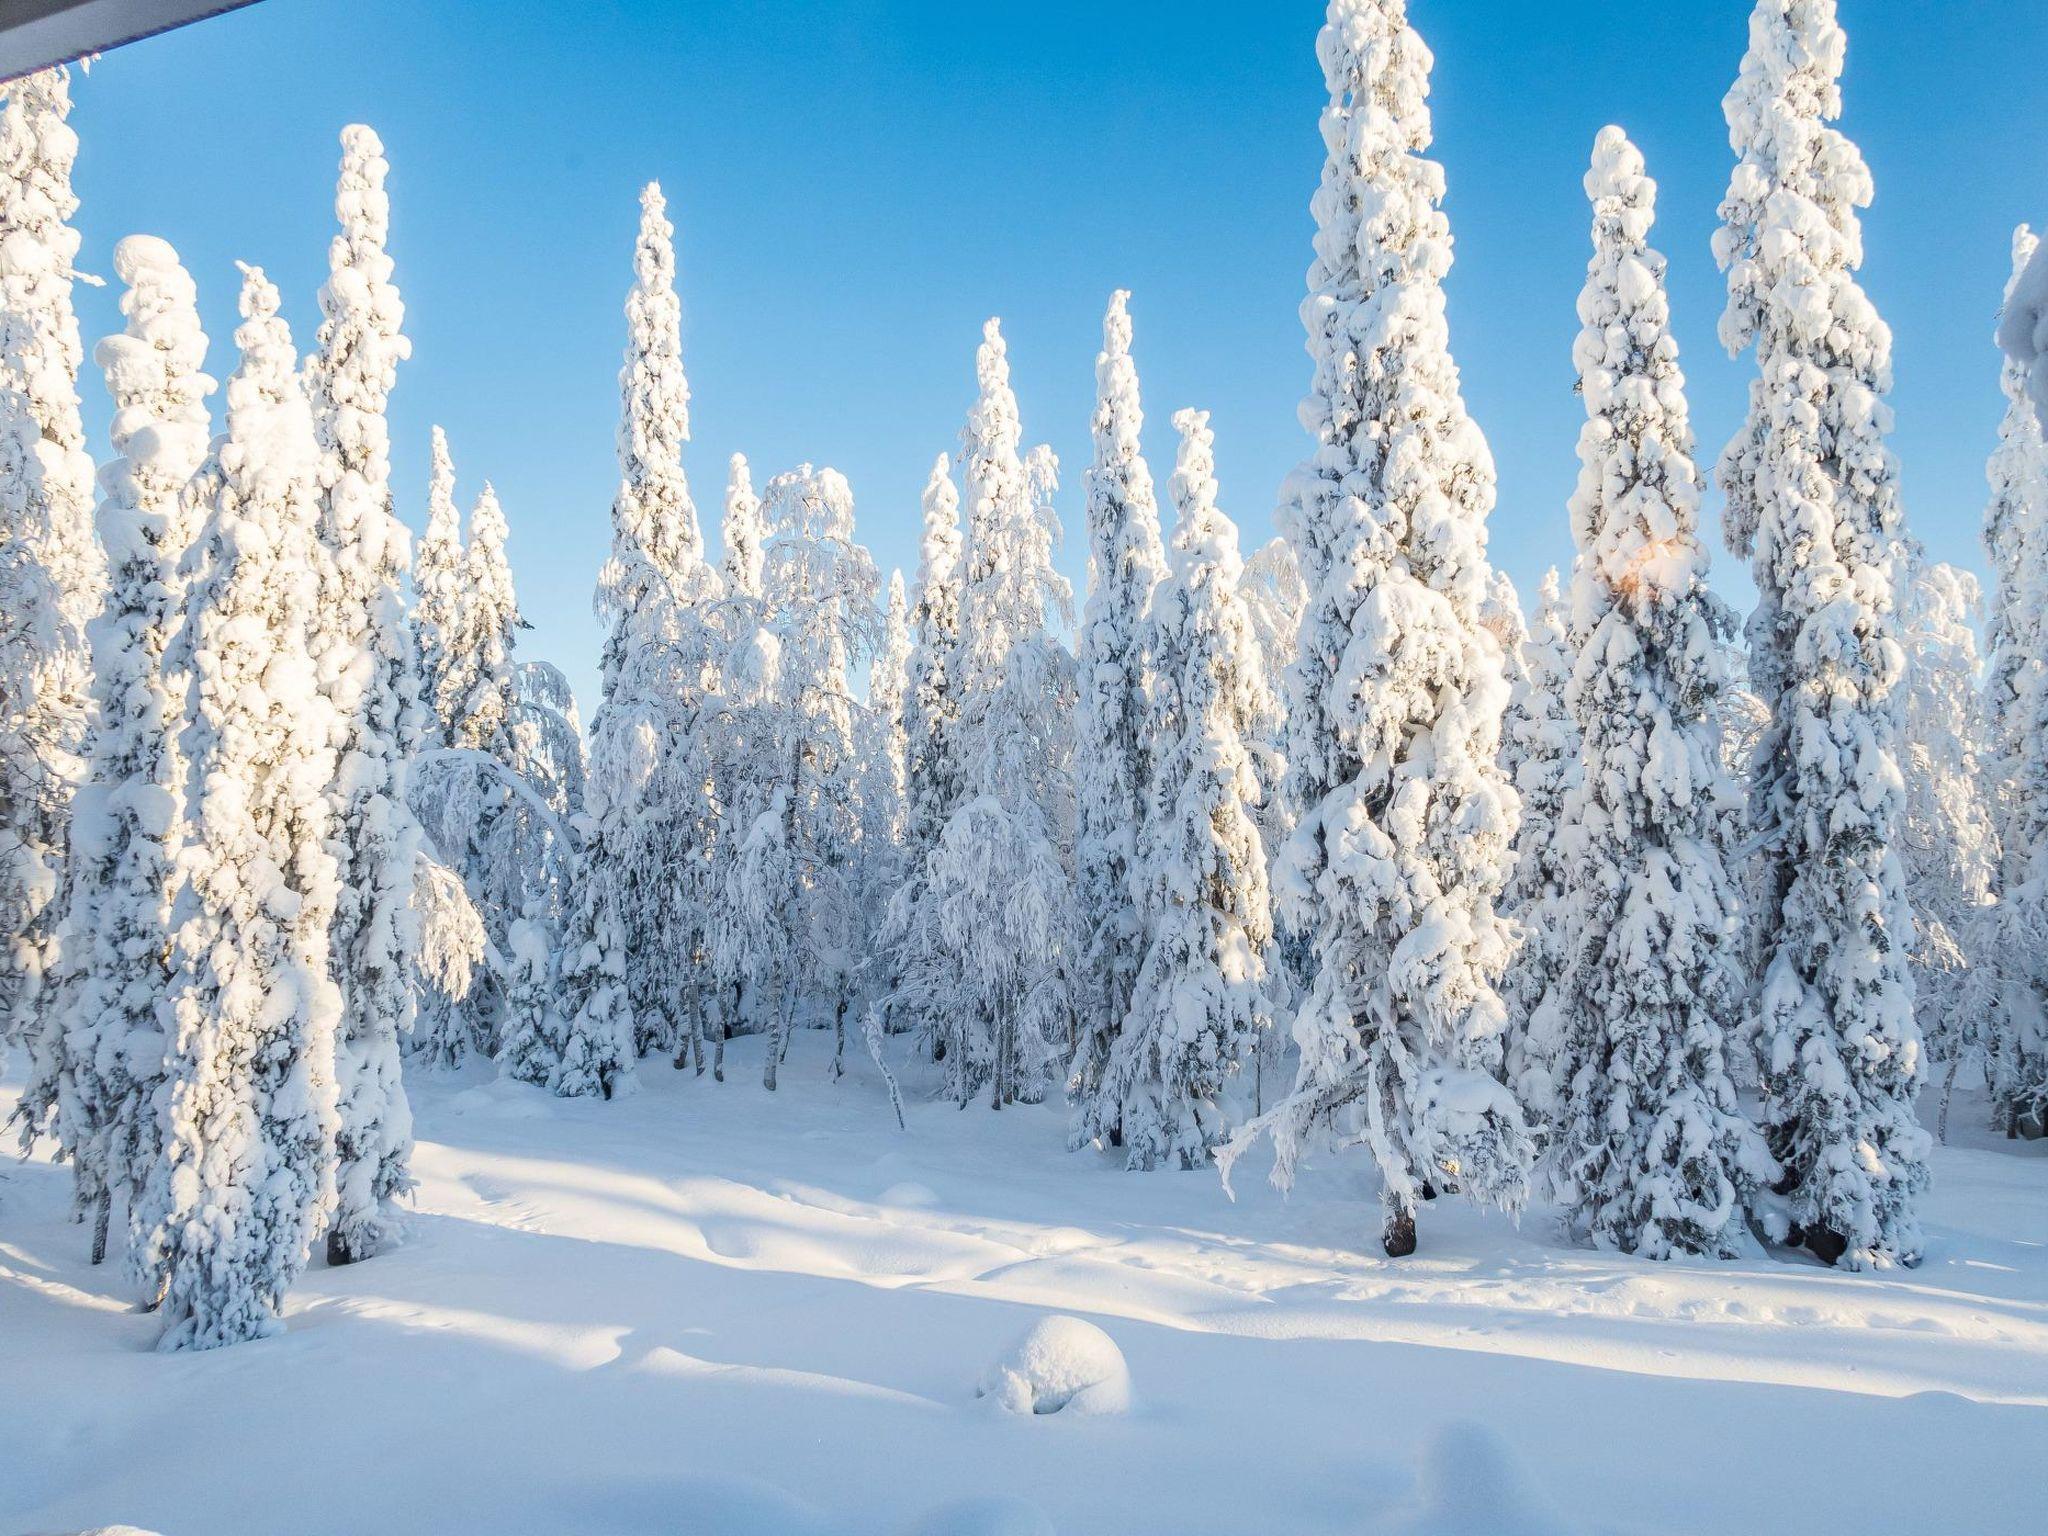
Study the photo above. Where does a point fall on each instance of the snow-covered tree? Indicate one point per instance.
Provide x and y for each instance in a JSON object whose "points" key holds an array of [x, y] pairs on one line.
{"points": [[1947, 840], [493, 799], [1198, 871], [981, 938], [797, 880], [244, 1178], [52, 574], [2016, 704], [1017, 689], [931, 708], [370, 673], [888, 691], [533, 1029], [547, 736], [1649, 1152], [1396, 692], [437, 596], [1813, 502], [1274, 597], [2023, 331], [742, 532], [1113, 747], [625, 942], [488, 631], [445, 804], [2017, 541], [1540, 753], [127, 817]]}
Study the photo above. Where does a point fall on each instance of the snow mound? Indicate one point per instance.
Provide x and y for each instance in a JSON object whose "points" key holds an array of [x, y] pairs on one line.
{"points": [[1469, 1484], [994, 1516], [1060, 1363]]}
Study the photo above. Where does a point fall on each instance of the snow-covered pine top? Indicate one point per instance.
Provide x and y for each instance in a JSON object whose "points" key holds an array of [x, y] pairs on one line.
{"points": [[1644, 624], [1125, 555], [40, 350], [437, 585], [932, 701], [888, 677], [2018, 545], [1009, 585], [1790, 242], [2023, 330], [147, 521], [1207, 571], [742, 532], [1635, 512], [657, 562], [1383, 247], [938, 557], [155, 375], [490, 619], [260, 545], [361, 339]]}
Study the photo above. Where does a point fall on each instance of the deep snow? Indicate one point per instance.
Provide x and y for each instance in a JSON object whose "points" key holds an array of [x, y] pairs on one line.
{"points": [[706, 1309]]}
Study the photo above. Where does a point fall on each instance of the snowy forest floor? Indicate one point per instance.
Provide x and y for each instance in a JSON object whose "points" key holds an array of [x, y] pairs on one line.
{"points": [[706, 1309]]}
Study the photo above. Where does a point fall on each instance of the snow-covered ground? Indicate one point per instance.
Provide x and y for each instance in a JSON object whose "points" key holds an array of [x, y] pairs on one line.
{"points": [[706, 1309]]}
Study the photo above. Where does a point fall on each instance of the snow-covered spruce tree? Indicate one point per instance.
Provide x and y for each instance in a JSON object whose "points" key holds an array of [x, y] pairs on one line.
{"points": [[441, 1024], [370, 673], [931, 709], [981, 938], [742, 532], [2017, 542], [1540, 743], [1199, 868], [2023, 331], [531, 1027], [1649, 1152], [2016, 689], [1947, 840], [497, 832], [1396, 692], [626, 940], [437, 597], [1274, 597], [1112, 746], [52, 575], [738, 765], [488, 631], [888, 688], [126, 818], [798, 883], [244, 1179], [1813, 502]]}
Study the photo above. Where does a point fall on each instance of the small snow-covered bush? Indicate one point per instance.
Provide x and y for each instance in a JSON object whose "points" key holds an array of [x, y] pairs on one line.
{"points": [[1060, 1363]]}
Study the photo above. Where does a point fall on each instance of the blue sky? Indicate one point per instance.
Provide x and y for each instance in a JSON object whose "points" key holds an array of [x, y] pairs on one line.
{"points": [[857, 185]]}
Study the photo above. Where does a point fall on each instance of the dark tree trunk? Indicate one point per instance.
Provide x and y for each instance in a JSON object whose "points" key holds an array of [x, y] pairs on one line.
{"points": [[1397, 1235]]}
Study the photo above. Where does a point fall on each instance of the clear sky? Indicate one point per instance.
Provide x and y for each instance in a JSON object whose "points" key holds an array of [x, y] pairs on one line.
{"points": [[857, 184]]}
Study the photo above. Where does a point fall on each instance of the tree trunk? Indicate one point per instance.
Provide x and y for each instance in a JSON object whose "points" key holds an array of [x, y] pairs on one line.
{"points": [[1397, 1232], [102, 1211]]}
